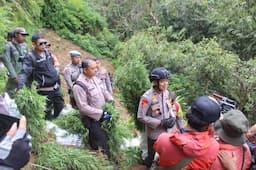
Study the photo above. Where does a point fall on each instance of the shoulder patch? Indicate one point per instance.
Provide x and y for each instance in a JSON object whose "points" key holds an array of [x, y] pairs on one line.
{"points": [[144, 102]]}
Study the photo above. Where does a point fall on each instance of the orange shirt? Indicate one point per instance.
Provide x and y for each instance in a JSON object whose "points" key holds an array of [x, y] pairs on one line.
{"points": [[200, 146]]}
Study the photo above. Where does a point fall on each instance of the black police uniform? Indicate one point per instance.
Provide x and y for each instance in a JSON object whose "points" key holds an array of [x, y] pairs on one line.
{"points": [[41, 69]]}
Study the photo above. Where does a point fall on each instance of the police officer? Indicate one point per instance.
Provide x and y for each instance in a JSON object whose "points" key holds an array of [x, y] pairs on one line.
{"points": [[103, 75], [38, 64], [154, 110], [14, 53], [72, 71], [90, 96]]}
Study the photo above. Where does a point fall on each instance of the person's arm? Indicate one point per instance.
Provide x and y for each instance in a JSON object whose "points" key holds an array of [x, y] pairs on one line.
{"points": [[27, 70], [108, 83], [83, 106], [7, 61], [107, 95], [67, 77], [142, 114]]}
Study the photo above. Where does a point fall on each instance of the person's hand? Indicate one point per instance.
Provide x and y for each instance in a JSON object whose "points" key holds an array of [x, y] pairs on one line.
{"points": [[22, 126], [105, 116], [228, 160], [15, 146], [168, 123]]}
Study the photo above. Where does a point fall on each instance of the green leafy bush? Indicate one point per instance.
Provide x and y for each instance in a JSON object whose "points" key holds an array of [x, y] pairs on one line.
{"points": [[62, 158], [132, 157], [132, 80], [75, 20], [189, 16], [126, 17], [32, 105], [235, 26], [116, 131], [72, 123], [3, 80]]}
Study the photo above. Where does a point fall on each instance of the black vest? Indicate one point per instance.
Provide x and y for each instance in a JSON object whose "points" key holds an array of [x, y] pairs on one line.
{"points": [[44, 72]]}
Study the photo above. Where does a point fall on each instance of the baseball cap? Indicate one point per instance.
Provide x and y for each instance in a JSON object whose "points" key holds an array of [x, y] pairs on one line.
{"points": [[74, 53], [204, 110], [21, 30]]}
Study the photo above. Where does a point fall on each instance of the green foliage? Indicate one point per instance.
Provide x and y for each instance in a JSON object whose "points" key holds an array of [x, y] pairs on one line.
{"points": [[23, 13], [242, 87], [132, 80], [62, 158], [235, 26], [72, 123], [231, 21], [32, 105], [3, 80], [189, 16], [126, 17], [75, 20], [132, 157], [116, 131], [4, 25], [197, 69]]}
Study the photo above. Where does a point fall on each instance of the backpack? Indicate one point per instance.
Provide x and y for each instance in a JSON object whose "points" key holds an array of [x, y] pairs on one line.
{"points": [[72, 99]]}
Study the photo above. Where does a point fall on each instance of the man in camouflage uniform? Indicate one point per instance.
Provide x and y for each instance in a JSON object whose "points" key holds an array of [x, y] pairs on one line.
{"points": [[14, 53], [72, 71], [90, 96], [155, 111]]}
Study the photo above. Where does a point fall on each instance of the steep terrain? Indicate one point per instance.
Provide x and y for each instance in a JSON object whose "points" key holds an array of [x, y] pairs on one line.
{"points": [[61, 47]]}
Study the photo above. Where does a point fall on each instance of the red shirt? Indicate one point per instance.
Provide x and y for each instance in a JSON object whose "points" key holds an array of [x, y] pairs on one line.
{"points": [[234, 150], [200, 146]]}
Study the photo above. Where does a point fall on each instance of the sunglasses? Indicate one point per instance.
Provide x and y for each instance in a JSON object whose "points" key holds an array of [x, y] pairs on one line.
{"points": [[42, 43], [254, 136]]}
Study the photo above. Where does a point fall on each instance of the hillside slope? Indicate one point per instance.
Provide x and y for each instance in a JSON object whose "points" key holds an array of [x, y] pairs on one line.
{"points": [[61, 47]]}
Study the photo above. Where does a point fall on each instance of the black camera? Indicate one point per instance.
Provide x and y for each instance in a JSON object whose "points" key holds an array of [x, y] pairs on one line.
{"points": [[225, 103], [6, 122], [21, 59]]}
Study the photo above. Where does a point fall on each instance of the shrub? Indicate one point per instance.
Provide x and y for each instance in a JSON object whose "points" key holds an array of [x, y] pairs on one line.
{"points": [[62, 158], [132, 80], [32, 105], [72, 123], [3, 80], [132, 157], [76, 21], [189, 16], [116, 132]]}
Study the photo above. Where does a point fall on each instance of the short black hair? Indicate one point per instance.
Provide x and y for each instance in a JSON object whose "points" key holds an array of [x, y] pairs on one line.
{"points": [[195, 123], [85, 62], [36, 37], [10, 35], [95, 58]]}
